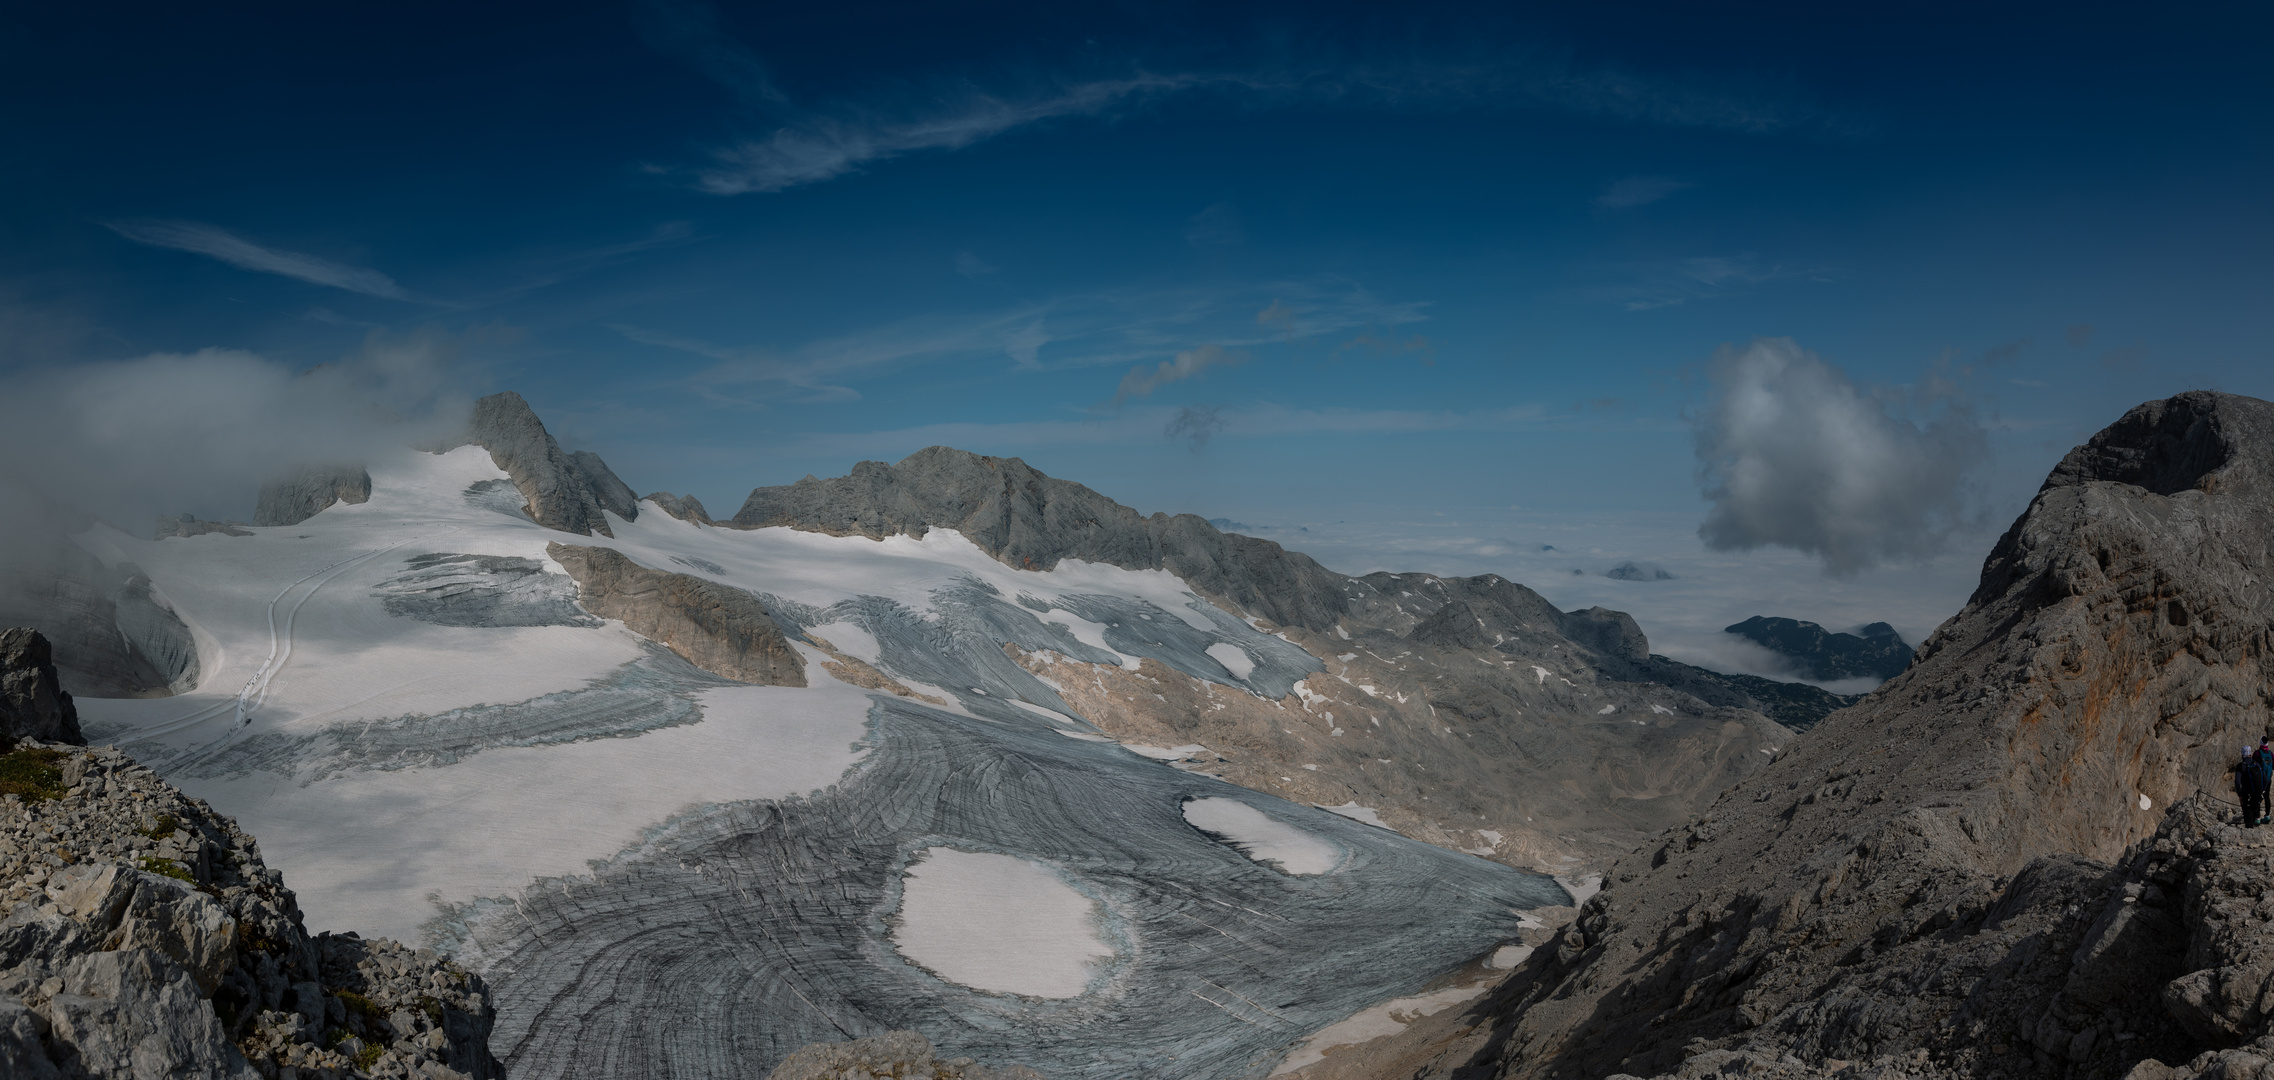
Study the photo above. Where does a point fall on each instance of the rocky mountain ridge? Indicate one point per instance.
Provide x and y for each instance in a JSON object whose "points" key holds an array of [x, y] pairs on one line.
{"points": [[1478, 715], [144, 937], [1874, 652], [1954, 876]]}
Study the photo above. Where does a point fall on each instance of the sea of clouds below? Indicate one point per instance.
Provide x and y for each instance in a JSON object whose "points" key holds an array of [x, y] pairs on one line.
{"points": [[1684, 616]]}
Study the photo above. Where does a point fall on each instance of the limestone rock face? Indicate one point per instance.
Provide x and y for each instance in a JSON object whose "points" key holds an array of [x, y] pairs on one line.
{"points": [[144, 938], [559, 489], [302, 494], [612, 494], [721, 629], [1920, 871], [33, 704], [1030, 520], [686, 508]]}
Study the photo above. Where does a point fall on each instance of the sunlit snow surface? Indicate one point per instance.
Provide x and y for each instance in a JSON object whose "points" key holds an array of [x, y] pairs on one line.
{"points": [[667, 874]]}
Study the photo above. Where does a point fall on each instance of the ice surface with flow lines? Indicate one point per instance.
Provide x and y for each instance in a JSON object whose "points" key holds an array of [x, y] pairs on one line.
{"points": [[592, 822]]}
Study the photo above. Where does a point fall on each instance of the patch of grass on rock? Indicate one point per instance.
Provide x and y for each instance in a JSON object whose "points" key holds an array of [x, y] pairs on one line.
{"points": [[168, 868], [31, 774]]}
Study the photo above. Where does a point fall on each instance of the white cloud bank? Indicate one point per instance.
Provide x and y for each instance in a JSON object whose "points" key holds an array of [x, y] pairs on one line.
{"points": [[1793, 454]]}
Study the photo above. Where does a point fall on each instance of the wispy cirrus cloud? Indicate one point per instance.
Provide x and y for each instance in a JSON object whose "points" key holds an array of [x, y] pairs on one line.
{"points": [[811, 145], [1704, 277], [1148, 328], [217, 243], [1148, 425], [824, 147], [1639, 191]]}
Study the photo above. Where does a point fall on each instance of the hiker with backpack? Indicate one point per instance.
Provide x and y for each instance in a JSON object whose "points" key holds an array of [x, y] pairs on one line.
{"points": [[2250, 787]]}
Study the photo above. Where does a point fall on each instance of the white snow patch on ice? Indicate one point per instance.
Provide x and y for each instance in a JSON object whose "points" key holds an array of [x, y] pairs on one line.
{"points": [[998, 923], [1264, 838], [2147, 803], [1235, 659]]}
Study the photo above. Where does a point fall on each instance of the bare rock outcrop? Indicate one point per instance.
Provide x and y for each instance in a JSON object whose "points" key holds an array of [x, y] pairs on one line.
{"points": [[303, 493], [1031, 521], [144, 937], [894, 1054], [562, 492], [686, 508], [1927, 875], [33, 703], [718, 628]]}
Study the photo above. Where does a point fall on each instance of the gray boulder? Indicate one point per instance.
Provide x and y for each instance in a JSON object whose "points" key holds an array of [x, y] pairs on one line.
{"points": [[718, 628], [33, 704], [302, 494]]}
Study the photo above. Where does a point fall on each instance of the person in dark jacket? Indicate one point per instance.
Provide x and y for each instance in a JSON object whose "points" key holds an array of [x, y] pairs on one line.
{"points": [[2250, 787], [2265, 759]]}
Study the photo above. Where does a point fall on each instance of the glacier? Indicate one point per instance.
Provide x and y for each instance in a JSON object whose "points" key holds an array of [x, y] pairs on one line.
{"points": [[667, 873]]}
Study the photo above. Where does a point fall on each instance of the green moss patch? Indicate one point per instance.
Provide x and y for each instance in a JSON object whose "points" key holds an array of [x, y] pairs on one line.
{"points": [[31, 774], [169, 868]]}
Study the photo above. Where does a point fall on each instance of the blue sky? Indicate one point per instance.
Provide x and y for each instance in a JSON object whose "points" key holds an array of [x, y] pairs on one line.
{"points": [[1273, 262]]}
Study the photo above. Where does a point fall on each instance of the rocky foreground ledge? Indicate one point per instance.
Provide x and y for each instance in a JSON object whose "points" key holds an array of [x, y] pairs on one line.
{"points": [[144, 937]]}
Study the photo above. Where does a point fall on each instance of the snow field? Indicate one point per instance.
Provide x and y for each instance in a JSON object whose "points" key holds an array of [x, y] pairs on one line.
{"points": [[1264, 838], [998, 923]]}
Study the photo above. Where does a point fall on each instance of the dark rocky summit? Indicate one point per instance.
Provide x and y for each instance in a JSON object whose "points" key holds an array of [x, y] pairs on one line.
{"points": [[33, 704], [1874, 652], [302, 494], [143, 937], [2007, 861], [718, 628], [561, 492], [1633, 571]]}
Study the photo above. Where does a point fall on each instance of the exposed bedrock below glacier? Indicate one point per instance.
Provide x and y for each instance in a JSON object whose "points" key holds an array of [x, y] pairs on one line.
{"points": [[737, 933]]}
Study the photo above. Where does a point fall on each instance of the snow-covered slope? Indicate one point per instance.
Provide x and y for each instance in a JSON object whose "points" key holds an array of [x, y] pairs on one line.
{"points": [[667, 873]]}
